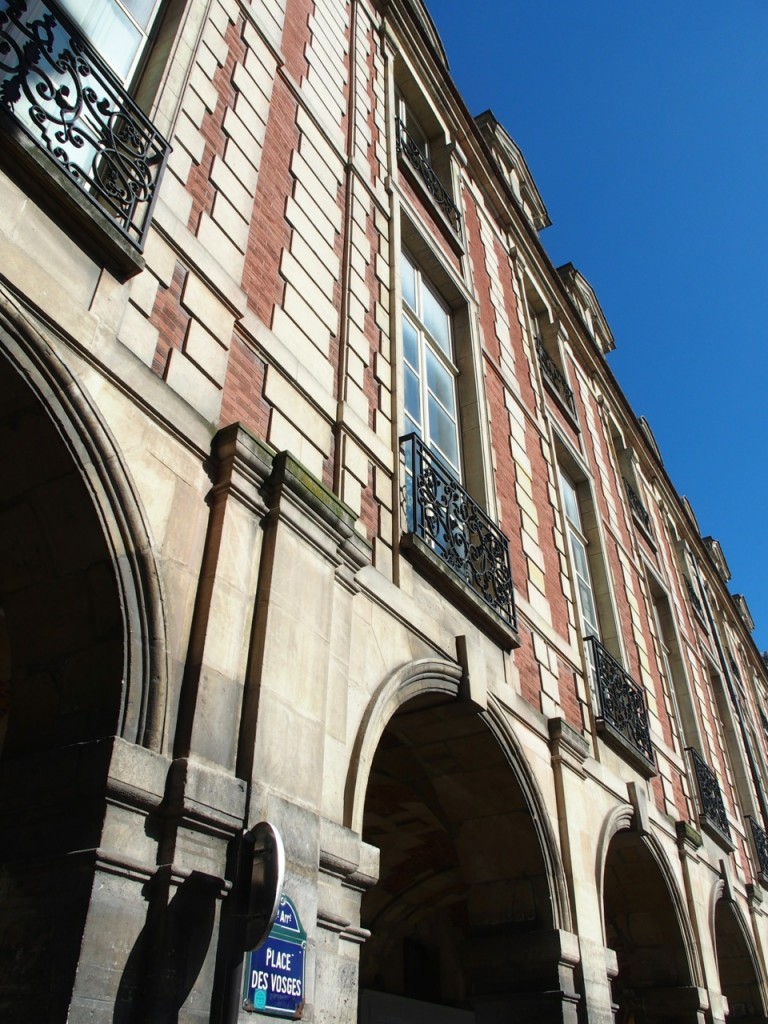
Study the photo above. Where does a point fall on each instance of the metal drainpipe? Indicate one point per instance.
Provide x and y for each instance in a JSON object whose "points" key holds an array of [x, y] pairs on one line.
{"points": [[736, 702]]}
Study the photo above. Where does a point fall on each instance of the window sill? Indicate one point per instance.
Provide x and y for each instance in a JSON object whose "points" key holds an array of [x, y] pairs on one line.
{"points": [[708, 826], [614, 739], [83, 220], [433, 568]]}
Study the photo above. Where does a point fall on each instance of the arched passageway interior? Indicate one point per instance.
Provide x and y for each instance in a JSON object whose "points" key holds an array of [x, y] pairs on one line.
{"points": [[61, 668], [653, 984], [462, 915], [738, 979]]}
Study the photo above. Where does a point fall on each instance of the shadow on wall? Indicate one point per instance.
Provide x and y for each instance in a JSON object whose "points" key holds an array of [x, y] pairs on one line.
{"points": [[167, 958]]}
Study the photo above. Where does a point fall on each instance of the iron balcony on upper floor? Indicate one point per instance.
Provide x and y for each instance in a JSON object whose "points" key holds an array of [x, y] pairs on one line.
{"points": [[713, 814], [556, 378], [410, 149], [447, 525], [59, 94], [622, 709]]}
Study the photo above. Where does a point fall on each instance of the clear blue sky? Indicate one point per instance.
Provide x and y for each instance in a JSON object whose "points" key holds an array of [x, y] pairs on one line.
{"points": [[645, 128]]}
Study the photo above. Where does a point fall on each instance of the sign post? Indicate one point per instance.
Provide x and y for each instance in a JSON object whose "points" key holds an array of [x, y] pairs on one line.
{"points": [[274, 976]]}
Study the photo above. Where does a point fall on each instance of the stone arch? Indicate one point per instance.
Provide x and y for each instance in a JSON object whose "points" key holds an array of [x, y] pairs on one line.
{"points": [[427, 675], [620, 819], [470, 909], [77, 421], [742, 981], [645, 922], [513, 750], [83, 645]]}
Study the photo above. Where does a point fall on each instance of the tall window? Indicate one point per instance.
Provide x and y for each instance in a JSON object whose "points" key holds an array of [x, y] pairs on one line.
{"points": [[413, 126], [431, 407], [577, 542], [118, 29]]}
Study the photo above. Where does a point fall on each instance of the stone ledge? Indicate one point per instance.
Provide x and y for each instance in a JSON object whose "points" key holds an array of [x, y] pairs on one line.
{"points": [[435, 569], [84, 221], [611, 735]]}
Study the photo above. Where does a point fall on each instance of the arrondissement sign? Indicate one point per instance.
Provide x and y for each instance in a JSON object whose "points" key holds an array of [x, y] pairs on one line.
{"points": [[274, 978]]}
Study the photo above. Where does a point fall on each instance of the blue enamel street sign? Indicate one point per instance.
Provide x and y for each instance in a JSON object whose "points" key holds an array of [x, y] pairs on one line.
{"points": [[274, 981]]}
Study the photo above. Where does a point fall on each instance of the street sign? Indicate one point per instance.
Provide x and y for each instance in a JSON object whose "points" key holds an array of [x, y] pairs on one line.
{"points": [[274, 979]]}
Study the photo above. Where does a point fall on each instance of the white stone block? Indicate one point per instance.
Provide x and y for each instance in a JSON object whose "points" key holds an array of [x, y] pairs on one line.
{"points": [[201, 302], [193, 386], [206, 352]]}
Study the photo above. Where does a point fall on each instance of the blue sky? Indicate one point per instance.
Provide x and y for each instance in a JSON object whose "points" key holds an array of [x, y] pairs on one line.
{"points": [[644, 126]]}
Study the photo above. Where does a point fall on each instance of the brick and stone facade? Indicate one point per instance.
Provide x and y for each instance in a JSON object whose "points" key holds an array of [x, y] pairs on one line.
{"points": [[227, 598]]}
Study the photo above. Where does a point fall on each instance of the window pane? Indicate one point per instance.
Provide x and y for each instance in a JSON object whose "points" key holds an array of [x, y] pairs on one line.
{"points": [[588, 611], [408, 276], [570, 501], [141, 10], [110, 31], [412, 395], [441, 382], [410, 344], [442, 433], [415, 130], [436, 320], [579, 552]]}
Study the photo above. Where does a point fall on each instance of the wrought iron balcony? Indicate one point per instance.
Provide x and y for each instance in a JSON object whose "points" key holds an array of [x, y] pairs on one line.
{"points": [[408, 146], [760, 840], [62, 95], [698, 607], [712, 806], [621, 702], [555, 377], [638, 508], [439, 511]]}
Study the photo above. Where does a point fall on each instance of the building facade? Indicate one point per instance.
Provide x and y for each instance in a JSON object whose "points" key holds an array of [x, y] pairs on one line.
{"points": [[321, 507]]}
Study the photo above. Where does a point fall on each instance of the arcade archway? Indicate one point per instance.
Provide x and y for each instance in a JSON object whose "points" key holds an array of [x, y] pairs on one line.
{"points": [[61, 674], [462, 916], [738, 977], [654, 983]]}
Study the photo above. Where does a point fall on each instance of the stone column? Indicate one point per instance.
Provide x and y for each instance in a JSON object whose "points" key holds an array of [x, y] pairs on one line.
{"points": [[523, 977]]}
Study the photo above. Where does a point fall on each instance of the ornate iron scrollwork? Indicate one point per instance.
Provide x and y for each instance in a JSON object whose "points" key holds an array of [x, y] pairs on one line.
{"points": [[408, 146], [622, 700], [761, 846], [638, 508], [66, 99], [556, 378], [439, 510], [712, 806], [698, 607]]}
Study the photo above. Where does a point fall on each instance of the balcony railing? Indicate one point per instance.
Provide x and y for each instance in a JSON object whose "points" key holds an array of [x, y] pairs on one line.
{"points": [[698, 607], [408, 146], [621, 701], [712, 806], [761, 847], [63, 96], [440, 512], [638, 508], [556, 378]]}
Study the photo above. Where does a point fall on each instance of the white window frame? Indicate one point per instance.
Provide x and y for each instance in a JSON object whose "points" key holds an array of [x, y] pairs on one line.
{"points": [[578, 545], [96, 19], [428, 347]]}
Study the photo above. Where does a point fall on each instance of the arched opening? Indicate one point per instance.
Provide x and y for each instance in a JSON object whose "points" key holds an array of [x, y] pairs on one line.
{"points": [[738, 979], [653, 984], [461, 919], [61, 676]]}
